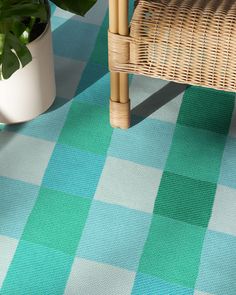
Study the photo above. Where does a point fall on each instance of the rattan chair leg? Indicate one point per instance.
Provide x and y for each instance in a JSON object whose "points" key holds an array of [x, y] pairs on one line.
{"points": [[119, 100], [120, 114]]}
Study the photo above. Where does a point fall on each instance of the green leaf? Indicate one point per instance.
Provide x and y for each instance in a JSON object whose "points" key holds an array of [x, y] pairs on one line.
{"points": [[10, 63], [14, 55], [20, 49], [79, 7], [24, 10], [18, 27]]}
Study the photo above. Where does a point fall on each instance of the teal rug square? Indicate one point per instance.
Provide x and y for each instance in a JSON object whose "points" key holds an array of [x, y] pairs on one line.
{"points": [[217, 270], [150, 285], [114, 235], [81, 170]]}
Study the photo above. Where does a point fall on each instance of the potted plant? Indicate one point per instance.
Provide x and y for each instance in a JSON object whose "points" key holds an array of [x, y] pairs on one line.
{"points": [[27, 83]]}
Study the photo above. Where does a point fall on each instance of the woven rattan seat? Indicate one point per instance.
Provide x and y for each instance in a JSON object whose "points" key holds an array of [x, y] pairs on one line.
{"points": [[186, 41]]}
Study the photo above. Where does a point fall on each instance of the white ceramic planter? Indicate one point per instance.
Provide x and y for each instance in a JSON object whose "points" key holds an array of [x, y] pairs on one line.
{"points": [[31, 90]]}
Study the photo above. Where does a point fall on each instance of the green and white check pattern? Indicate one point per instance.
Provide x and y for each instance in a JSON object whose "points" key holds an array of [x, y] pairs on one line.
{"points": [[87, 210]]}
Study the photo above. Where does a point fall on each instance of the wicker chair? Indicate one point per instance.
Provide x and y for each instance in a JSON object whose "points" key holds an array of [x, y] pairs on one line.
{"points": [[186, 41]]}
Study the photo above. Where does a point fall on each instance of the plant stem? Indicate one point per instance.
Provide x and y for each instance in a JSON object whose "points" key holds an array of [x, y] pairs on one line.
{"points": [[2, 41]]}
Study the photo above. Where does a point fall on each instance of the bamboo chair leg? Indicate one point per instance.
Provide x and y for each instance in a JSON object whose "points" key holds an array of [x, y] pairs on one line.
{"points": [[119, 101]]}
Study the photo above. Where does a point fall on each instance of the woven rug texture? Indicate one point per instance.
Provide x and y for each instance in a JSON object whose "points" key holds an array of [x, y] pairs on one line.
{"points": [[88, 210]]}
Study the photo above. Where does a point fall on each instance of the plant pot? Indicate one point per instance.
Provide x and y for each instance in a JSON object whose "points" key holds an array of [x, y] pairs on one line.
{"points": [[31, 90]]}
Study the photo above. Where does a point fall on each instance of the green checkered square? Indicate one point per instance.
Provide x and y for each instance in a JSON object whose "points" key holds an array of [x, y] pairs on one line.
{"points": [[172, 251], [87, 128], [57, 220], [185, 199], [207, 109], [37, 270], [196, 153]]}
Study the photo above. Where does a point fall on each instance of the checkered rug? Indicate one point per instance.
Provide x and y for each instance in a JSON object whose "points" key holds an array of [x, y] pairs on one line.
{"points": [[87, 210]]}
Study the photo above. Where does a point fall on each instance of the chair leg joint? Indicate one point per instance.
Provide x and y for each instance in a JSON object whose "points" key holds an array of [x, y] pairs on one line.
{"points": [[120, 114]]}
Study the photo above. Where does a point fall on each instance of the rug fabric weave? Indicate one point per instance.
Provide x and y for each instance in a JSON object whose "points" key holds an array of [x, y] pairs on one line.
{"points": [[88, 210]]}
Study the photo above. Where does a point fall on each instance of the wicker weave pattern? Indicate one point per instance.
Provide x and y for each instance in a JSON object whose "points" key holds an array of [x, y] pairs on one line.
{"points": [[187, 41]]}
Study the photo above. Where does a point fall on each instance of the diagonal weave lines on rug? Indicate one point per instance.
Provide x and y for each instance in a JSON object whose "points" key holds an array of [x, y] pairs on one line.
{"points": [[88, 210]]}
